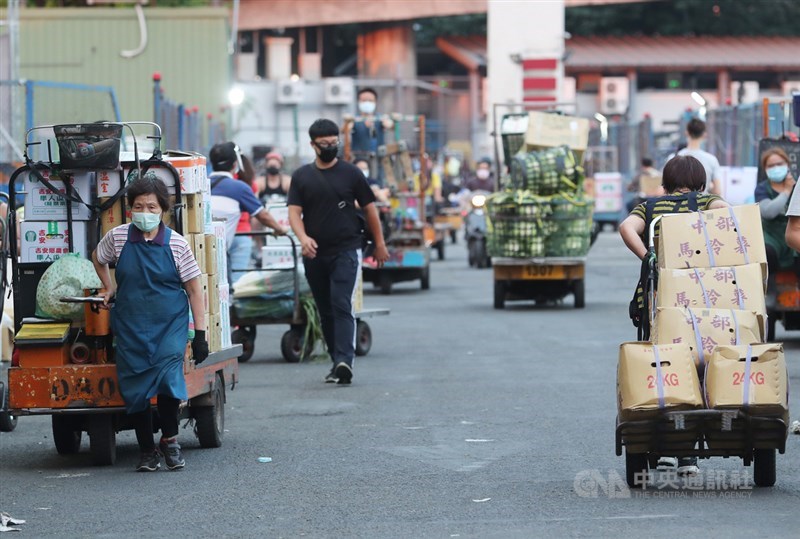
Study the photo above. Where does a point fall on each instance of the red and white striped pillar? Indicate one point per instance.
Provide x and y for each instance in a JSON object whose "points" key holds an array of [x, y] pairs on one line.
{"points": [[540, 82]]}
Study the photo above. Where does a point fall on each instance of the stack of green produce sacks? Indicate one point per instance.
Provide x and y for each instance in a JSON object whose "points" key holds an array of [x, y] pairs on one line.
{"points": [[542, 212]]}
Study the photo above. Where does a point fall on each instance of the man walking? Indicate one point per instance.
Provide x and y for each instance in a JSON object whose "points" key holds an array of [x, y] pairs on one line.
{"points": [[322, 214], [696, 132], [229, 198]]}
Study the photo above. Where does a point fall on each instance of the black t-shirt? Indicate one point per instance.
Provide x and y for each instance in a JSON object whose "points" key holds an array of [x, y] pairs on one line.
{"points": [[333, 229]]}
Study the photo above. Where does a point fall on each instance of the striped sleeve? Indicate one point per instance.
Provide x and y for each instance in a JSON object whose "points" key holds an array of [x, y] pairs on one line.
{"points": [[110, 247], [639, 212], [185, 262], [709, 199]]}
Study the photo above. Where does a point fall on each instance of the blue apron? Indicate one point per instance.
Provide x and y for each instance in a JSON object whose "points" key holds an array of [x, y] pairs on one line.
{"points": [[150, 321]]}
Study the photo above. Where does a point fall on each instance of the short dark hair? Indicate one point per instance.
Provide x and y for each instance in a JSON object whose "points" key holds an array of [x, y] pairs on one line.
{"points": [[223, 156], [149, 184], [368, 90], [683, 172], [323, 128], [696, 128], [647, 162], [360, 160]]}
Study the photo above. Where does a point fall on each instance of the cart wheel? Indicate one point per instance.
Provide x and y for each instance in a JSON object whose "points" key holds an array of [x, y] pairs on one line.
{"points": [[440, 249], [363, 338], [425, 280], [65, 434], [635, 469], [764, 467], [385, 284], [293, 345], [102, 440], [248, 342], [453, 236], [8, 422], [772, 320], [210, 420], [579, 289], [499, 295]]}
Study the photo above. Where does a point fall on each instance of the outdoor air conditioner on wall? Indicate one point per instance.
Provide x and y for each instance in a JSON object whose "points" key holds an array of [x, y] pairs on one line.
{"points": [[290, 92], [790, 87], [744, 92], [339, 91], [614, 95]]}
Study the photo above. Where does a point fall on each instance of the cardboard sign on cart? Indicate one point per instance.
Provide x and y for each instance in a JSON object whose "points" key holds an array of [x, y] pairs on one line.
{"points": [[547, 130], [281, 214]]}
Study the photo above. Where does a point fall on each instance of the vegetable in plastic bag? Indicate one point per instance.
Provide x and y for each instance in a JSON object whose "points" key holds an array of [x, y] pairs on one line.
{"points": [[67, 276]]}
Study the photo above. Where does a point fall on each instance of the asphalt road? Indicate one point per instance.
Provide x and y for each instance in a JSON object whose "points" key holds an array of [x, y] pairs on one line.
{"points": [[463, 421]]}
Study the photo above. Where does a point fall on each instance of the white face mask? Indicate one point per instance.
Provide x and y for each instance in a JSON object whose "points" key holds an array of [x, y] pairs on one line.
{"points": [[366, 107], [365, 172], [482, 174]]}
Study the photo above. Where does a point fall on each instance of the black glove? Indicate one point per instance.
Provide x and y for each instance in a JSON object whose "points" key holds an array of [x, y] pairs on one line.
{"points": [[199, 347]]}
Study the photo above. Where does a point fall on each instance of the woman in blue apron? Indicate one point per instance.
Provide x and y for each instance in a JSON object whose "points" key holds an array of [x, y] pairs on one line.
{"points": [[157, 279]]}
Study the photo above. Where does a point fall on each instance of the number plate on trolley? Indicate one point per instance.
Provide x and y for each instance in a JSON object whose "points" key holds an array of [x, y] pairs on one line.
{"points": [[544, 272]]}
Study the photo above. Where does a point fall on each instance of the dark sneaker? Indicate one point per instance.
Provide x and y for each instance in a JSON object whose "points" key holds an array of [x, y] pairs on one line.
{"points": [[331, 378], [171, 450], [149, 462], [344, 373], [687, 466]]}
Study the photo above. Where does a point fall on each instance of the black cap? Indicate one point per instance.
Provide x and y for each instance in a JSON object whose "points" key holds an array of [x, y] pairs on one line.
{"points": [[223, 156]]}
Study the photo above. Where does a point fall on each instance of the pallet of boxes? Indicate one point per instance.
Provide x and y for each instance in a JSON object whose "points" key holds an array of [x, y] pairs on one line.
{"points": [[707, 384], [539, 225]]}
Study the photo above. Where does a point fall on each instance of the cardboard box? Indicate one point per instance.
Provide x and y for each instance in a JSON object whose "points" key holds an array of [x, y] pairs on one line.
{"points": [[210, 264], [111, 217], [225, 314], [186, 166], [714, 327], [48, 241], [41, 204], [650, 186], [738, 184], [763, 387], [639, 382], [214, 333], [204, 288], [734, 287], [682, 242], [213, 294], [549, 130], [109, 182], [277, 257], [218, 229], [197, 243], [207, 214], [194, 208]]}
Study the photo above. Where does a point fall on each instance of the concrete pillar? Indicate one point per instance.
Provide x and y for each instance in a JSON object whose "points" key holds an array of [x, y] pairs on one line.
{"points": [[390, 53], [278, 57], [633, 90]]}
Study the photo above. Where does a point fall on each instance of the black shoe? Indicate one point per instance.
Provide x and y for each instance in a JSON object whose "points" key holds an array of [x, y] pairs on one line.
{"points": [[687, 466], [149, 462], [331, 378], [172, 454], [344, 373]]}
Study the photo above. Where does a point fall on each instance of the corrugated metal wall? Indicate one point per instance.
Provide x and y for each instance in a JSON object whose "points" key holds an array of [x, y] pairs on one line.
{"points": [[82, 45]]}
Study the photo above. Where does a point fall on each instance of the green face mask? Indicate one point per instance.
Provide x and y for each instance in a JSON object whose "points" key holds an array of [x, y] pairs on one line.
{"points": [[146, 221]]}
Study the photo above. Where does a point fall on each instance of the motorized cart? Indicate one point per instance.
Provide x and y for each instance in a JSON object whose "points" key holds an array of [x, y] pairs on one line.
{"points": [[538, 279], [65, 367], [288, 303]]}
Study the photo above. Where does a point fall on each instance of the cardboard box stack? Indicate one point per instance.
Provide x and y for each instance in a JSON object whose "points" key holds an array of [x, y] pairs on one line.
{"points": [[542, 210], [710, 314]]}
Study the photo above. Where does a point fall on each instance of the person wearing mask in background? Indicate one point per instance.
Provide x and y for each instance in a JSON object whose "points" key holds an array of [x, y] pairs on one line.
{"points": [[242, 248], [382, 194], [368, 132], [275, 183], [483, 180], [696, 131], [772, 197], [230, 197], [322, 212], [157, 282]]}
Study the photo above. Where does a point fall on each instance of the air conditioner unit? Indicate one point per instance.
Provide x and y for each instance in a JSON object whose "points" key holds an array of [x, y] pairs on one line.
{"points": [[744, 92], [340, 91], [790, 87], [614, 95], [290, 92]]}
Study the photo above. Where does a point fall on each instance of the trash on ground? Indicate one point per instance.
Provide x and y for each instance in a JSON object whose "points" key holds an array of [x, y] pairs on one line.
{"points": [[264, 459]]}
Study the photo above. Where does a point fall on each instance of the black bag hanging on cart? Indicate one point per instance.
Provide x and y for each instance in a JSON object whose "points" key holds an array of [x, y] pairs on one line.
{"points": [[639, 307], [89, 146]]}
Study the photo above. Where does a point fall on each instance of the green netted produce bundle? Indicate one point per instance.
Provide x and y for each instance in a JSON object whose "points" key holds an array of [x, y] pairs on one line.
{"points": [[571, 230], [547, 172], [517, 224]]}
